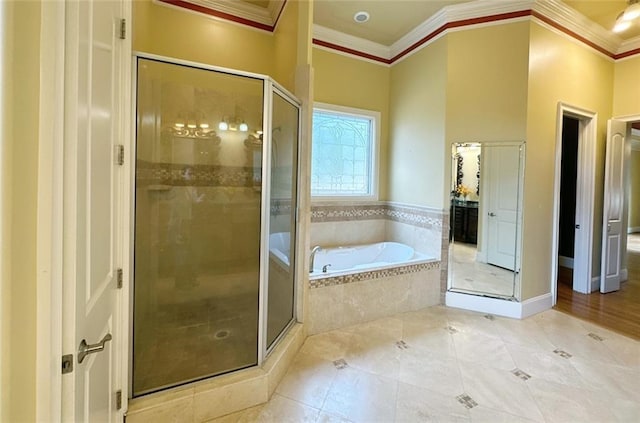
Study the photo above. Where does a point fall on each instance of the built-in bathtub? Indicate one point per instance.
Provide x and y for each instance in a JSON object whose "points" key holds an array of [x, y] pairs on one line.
{"points": [[331, 262], [355, 284]]}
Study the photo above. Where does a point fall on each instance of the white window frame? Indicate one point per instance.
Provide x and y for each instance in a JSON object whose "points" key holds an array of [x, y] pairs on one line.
{"points": [[375, 150]]}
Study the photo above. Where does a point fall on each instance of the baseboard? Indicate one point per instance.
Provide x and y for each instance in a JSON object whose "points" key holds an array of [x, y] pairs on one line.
{"points": [[536, 305], [633, 229], [500, 307], [624, 275], [595, 284], [481, 257], [565, 262]]}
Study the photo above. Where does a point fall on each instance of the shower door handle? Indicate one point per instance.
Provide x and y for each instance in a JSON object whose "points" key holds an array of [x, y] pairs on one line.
{"points": [[85, 349]]}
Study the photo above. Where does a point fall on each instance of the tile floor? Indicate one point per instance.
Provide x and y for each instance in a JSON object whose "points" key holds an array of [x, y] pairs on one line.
{"points": [[449, 365]]}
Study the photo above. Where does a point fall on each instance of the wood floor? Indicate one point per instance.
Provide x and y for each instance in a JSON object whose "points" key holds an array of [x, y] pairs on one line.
{"points": [[618, 311]]}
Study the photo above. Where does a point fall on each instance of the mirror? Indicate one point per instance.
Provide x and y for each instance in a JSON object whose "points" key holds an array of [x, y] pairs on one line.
{"points": [[486, 218]]}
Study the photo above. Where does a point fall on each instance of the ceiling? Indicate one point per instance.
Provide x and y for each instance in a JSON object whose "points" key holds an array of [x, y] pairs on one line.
{"points": [[391, 19]]}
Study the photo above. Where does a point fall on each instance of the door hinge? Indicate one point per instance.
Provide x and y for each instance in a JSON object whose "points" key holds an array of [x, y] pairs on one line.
{"points": [[120, 154], [119, 278], [118, 399], [67, 363], [123, 29]]}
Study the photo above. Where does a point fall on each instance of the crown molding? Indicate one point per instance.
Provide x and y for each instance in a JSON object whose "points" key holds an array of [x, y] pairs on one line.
{"points": [[235, 11], [481, 12], [331, 36], [632, 45], [579, 24]]}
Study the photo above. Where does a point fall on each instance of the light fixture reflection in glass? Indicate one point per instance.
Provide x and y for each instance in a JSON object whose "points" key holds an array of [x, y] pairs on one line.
{"points": [[243, 127], [223, 126]]}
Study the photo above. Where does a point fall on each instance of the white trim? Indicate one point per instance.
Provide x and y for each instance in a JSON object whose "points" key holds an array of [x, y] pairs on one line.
{"points": [[536, 305], [565, 261], [245, 10], [498, 306], [126, 100], [629, 45], [584, 197], [554, 10], [350, 55], [356, 43], [49, 214], [576, 22], [571, 39], [375, 117], [633, 229], [624, 275], [240, 9]]}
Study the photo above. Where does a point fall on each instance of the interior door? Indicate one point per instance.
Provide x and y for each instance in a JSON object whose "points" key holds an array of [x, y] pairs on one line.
{"points": [[93, 119], [613, 207], [501, 166]]}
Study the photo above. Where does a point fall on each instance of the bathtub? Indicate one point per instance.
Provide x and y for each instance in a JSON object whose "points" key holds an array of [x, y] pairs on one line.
{"points": [[338, 261]]}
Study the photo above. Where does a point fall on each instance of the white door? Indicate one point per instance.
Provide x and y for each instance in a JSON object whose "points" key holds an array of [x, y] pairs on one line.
{"points": [[93, 199], [501, 170], [613, 207]]}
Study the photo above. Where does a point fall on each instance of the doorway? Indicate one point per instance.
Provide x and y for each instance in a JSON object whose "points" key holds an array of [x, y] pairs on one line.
{"points": [[574, 199], [568, 187], [618, 311]]}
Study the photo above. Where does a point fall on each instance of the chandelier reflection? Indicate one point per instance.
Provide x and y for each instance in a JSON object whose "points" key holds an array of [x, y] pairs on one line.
{"points": [[192, 127]]}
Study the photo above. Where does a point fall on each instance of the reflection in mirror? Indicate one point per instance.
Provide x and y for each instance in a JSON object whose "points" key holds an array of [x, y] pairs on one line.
{"points": [[485, 219]]}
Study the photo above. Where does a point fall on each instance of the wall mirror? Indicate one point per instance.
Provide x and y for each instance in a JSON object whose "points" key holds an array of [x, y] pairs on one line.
{"points": [[486, 219]]}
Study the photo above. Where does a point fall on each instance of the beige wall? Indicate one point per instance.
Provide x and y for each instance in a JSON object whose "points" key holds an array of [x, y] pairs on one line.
{"points": [[626, 89], [558, 73], [176, 33], [487, 83], [351, 82], [634, 197], [18, 401], [286, 46], [6, 124], [417, 132]]}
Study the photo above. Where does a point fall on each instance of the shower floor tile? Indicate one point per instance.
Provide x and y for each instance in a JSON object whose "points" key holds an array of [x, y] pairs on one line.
{"points": [[461, 375], [190, 334]]}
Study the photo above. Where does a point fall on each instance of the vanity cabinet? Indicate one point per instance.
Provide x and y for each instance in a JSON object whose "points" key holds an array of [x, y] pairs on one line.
{"points": [[464, 221]]}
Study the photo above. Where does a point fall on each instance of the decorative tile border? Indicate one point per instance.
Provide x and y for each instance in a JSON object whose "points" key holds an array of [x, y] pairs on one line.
{"points": [[373, 274], [280, 207], [347, 213], [201, 175], [415, 216]]}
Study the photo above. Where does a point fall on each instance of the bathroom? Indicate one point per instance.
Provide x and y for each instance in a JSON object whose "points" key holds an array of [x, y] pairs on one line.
{"points": [[413, 115], [425, 103]]}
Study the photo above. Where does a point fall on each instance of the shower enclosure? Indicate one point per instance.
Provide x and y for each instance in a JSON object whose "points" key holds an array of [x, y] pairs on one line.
{"points": [[215, 218]]}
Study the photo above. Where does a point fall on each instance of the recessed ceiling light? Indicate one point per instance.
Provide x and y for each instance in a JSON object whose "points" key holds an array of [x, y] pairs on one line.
{"points": [[361, 17]]}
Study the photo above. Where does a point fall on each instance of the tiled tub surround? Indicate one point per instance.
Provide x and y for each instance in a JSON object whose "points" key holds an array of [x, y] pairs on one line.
{"points": [[343, 300], [369, 222], [340, 301]]}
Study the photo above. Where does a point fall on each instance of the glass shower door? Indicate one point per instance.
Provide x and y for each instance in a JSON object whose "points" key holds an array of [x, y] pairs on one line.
{"points": [[197, 224], [282, 222]]}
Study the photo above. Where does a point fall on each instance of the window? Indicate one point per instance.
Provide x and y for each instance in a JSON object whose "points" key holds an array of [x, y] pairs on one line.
{"points": [[343, 155]]}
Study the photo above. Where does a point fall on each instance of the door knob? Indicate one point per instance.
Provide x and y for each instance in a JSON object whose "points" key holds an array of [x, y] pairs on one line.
{"points": [[578, 226], [492, 214], [85, 349]]}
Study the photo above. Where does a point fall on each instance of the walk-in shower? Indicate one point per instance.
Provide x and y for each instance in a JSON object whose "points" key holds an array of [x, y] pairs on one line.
{"points": [[215, 184]]}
